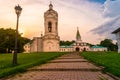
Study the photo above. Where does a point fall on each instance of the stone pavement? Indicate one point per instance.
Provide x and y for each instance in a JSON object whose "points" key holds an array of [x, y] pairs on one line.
{"points": [[67, 67]]}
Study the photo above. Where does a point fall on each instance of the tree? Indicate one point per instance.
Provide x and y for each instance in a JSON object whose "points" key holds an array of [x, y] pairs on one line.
{"points": [[109, 44], [7, 40], [66, 43]]}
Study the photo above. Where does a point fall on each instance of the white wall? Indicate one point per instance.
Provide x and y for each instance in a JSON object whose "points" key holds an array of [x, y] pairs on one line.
{"points": [[98, 49], [118, 41], [66, 49]]}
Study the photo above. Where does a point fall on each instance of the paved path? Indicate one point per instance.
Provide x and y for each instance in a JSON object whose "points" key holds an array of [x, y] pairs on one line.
{"points": [[67, 67]]}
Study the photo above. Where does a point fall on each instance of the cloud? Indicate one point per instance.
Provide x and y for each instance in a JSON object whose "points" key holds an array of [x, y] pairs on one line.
{"points": [[84, 14], [111, 8], [106, 28], [111, 16], [72, 14]]}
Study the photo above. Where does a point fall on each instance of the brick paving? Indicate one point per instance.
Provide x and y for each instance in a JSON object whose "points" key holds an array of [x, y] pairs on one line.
{"points": [[67, 67]]}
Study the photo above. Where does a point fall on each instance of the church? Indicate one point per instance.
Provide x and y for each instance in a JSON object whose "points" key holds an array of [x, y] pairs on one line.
{"points": [[50, 41]]}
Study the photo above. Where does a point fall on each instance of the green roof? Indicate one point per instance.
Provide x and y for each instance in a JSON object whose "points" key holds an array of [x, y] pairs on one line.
{"points": [[98, 47], [65, 46]]}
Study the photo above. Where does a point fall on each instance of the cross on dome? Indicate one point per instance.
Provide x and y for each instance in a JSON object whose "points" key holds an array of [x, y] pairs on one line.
{"points": [[50, 5]]}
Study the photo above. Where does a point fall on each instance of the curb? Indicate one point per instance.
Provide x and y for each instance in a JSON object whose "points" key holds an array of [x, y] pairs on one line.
{"points": [[115, 77]]}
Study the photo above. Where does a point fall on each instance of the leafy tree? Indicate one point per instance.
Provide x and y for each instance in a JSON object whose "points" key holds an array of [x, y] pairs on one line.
{"points": [[7, 40], [109, 44], [67, 43], [89, 44]]}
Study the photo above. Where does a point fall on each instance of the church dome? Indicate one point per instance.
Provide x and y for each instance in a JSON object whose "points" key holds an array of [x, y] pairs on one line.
{"points": [[50, 11]]}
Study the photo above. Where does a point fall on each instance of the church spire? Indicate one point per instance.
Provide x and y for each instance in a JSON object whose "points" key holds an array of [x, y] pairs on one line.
{"points": [[50, 5], [78, 37]]}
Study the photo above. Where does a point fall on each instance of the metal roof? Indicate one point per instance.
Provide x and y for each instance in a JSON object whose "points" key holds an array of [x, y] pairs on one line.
{"points": [[98, 47], [65, 46], [117, 30]]}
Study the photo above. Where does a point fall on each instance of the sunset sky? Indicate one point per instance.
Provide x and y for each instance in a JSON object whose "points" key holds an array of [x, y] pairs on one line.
{"points": [[96, 19]]}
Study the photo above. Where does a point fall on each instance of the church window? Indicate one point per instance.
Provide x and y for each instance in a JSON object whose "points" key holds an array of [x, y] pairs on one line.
{"points": [[49, 26], [49, 48], [79, 44], [56, 25]]}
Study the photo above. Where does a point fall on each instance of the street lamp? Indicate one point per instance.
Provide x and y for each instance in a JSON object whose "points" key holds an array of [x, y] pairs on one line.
{"points": [[18, 10]]}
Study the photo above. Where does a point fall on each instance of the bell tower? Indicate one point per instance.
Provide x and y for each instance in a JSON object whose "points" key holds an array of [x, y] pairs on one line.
{"points": [[51, 38], [51, 21]]}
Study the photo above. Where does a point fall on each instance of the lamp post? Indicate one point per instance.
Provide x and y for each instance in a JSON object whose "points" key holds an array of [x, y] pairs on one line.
{"points": [[18, 10]]}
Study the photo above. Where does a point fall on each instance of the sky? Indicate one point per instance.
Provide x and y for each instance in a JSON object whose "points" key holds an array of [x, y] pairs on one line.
{"points": [[96, 19]]}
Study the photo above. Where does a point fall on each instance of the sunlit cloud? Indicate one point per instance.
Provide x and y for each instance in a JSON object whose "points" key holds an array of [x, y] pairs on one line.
{"points": [[111, 15], [85, 14]]}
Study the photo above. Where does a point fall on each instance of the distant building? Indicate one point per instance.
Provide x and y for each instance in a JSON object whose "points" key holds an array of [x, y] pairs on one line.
{"points": [[66, 49], [117, 33], [77, 46], [98, 48], [27, 48]]}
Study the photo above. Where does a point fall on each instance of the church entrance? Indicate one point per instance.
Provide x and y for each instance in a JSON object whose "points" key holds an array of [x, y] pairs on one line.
{"points": [[84, 49], [77, 49]]}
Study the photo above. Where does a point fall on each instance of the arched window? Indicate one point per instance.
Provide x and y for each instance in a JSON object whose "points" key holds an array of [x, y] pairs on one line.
{"points": [[56, 25], [49, 26]]}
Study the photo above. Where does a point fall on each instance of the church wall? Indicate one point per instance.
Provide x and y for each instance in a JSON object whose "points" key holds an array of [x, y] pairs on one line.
{"points": [[67, 49], [40, 45], [36, 45], [98, 49], [118, 41], [82, 48], [51, 46]]}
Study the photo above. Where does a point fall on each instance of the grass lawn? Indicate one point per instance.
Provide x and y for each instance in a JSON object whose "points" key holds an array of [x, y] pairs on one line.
{"points": [[110, 60], [24, 61]]}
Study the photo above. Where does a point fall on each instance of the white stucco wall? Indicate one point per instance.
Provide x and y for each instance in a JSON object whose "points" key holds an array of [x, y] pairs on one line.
{"points": [[98, 49], [51, 46], [67, 49], [118, 41]]}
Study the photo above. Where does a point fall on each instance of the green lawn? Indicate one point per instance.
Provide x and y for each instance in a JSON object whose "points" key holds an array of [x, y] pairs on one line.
{"points": [[24, 61], [110, 60]]}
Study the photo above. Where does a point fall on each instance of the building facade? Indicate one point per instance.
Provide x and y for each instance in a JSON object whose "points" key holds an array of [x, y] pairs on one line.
{"points": [[78, 46], [66, 49], [117, 33], [36, 44], [98, 48]]}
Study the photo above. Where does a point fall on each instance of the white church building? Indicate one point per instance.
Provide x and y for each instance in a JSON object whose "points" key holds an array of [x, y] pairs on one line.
{"points": [[50, 41], [79, 45]]}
